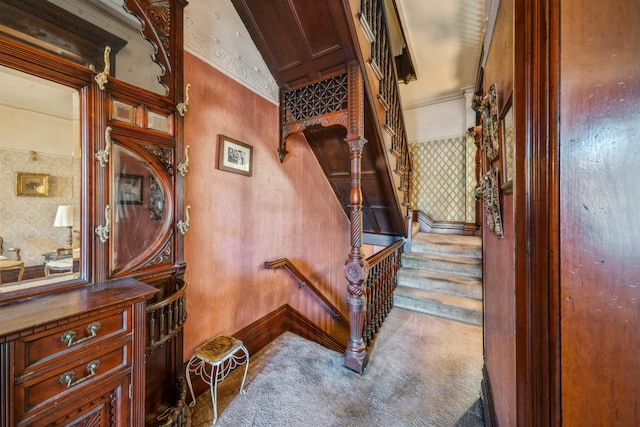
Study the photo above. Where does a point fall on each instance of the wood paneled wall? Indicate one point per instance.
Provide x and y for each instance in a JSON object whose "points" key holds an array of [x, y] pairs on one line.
{"points": [[237, 222], [599, 293], [499, 264], [575, 292]]}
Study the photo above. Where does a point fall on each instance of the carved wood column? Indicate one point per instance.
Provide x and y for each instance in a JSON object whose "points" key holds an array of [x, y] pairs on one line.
{"points": [[356, 268]]}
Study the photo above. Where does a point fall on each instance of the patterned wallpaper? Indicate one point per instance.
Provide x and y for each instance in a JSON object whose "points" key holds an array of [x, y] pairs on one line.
{"points": [[27, 222], [444, 178]]}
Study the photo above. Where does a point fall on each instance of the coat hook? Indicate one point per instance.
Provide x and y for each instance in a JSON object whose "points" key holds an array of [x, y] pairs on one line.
{"points": [[103, 155], [182, 107], [103, 77], [183, 225], [182, 167]]}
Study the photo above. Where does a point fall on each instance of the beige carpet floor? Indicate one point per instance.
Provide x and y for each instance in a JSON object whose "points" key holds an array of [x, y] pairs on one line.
{"points": [[424, 371]]}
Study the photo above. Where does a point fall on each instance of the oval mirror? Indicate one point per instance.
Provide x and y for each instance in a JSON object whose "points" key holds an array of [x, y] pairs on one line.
{"points": [[140, 207]]}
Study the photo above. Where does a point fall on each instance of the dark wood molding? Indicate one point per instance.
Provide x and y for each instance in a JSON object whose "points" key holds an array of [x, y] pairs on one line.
{"points": [[284, 319], [536, 202], [488, 406], [260, 333]]}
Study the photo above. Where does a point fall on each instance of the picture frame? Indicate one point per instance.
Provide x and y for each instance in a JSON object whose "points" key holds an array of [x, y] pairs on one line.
{"points": [[32, 184], [508, 145], [129, 189], [235, 156]]}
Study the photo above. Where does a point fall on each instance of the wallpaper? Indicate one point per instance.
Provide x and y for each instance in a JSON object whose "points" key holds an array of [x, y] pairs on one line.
{"points": [[444, 178], [27, 222]]}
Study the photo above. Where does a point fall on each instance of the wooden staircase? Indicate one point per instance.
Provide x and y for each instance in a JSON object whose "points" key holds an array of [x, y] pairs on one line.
{"points": [[442, 276]]}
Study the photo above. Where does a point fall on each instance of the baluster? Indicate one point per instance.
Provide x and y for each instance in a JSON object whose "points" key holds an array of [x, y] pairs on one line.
{"points": [[169, 319], [152, 327], [161, 328]]}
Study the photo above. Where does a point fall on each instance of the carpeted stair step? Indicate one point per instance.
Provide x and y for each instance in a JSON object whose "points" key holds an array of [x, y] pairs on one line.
{"points": [[469, 246], [437, 281], [443, 262], [462, 309]]}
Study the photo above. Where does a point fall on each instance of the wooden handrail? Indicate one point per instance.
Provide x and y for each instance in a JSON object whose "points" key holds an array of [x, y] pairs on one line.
{"points": [[377, 257], [304, 281]]}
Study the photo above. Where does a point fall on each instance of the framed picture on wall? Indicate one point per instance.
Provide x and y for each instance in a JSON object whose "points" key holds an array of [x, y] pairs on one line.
{"points": [[32, 184], [234, 156], [129, 188], [508, 144]]}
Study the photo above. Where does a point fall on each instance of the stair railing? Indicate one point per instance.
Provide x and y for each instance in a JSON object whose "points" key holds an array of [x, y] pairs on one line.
{"points": [[374, 25], [379, 287], [306, 283]]}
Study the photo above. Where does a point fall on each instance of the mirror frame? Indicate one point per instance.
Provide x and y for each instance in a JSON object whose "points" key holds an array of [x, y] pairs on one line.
{"points": [[36, 62]]}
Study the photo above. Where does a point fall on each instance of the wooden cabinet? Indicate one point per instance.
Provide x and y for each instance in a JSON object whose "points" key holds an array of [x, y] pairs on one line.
{"points": [[75, 356], [72, 345]]}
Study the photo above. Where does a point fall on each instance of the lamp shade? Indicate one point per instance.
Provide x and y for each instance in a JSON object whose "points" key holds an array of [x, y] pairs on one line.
{"points": [[64, 217]]}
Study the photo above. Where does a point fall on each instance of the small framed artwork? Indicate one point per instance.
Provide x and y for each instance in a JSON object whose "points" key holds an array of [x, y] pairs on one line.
{"points": [[32, 184], [129, 188], [234, 156], [507, 139]]}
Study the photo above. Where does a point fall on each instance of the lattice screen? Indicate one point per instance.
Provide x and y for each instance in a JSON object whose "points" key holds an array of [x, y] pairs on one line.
{"points": [[442, 178]]}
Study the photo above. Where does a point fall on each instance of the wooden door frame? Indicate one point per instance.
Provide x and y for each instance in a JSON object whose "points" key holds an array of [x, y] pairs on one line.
{"points": [[536, 211]]}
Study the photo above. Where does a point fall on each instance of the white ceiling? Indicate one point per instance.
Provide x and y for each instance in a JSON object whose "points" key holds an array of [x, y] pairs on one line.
{"points": [[445, 41]]}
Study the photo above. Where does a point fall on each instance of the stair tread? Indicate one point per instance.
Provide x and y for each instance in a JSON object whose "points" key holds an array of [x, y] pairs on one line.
{"points": [[460, 259], [449, 239], [445, 299], [458, 278]]}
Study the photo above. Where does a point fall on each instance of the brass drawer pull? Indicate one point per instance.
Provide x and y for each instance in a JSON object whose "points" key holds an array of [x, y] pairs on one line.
{"points": [[67, 377], [70, 336]]}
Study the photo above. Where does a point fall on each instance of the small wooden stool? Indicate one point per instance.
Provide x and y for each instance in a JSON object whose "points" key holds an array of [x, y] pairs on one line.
{"points": [[223, 355]]}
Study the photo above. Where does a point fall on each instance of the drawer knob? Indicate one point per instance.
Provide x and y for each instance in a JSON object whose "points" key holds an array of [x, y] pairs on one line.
{"points": [[67, 377], [69, 337]]}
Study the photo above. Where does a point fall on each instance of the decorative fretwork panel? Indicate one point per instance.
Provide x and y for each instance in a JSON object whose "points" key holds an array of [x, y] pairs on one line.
{"points": [[320, 98], [439, 178]]}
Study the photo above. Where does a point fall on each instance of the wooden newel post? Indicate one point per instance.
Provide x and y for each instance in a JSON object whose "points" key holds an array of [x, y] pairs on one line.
{"points": [[356, 268]]}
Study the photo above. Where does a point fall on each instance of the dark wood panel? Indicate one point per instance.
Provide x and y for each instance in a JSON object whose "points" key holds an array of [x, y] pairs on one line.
{"points": [[301, 41], [379, 213], [599, 199]]}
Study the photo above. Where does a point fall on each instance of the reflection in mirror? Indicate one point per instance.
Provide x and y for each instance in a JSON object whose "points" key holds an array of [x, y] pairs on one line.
{"points": [[139, 207], [40, 180], [133, 63]]}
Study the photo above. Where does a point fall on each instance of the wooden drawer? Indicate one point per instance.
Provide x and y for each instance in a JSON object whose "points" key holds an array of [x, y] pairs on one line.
{"points": [[106, 404], [36, 349], [37, 392]]}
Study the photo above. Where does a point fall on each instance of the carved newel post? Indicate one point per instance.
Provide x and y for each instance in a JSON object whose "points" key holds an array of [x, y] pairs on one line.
{"points": [[356, 268]]}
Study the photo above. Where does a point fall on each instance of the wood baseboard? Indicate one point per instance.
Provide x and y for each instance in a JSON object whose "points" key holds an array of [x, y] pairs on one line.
{"points": [[487, 399], [429, 225], [261, 332], [264, 330]]}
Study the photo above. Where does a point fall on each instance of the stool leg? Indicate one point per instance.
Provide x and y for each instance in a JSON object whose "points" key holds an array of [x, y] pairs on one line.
{"points": [[246, 369], [213, 387], [188, 375]]}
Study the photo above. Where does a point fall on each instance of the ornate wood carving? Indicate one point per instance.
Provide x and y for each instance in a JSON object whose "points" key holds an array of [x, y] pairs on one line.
{"points": [[487, 106], [163, 257], [491, 195], [323, 103], [156, 17], [164, 155]]}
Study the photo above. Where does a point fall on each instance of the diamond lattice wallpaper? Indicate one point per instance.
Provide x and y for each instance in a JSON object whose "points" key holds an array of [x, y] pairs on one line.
{"points": [[441, 183]]}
